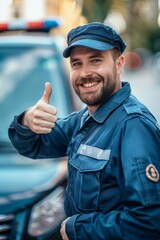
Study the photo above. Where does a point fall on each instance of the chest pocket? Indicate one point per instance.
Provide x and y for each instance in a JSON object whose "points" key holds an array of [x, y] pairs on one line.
{"points": [[85, 172]]}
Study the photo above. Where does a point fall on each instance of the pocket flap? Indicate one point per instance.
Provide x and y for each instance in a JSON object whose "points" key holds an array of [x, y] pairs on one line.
{"points": [[90, 158]]}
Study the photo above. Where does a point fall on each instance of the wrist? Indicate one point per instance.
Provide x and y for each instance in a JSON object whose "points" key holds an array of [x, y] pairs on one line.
{"points": [[22, 119]]}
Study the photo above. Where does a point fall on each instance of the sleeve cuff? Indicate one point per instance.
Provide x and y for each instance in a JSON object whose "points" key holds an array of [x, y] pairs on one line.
{"points": [[70, 227], [20, 128]]}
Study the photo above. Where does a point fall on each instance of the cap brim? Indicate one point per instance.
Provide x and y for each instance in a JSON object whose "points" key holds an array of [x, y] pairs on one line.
{"points": [[90, 43]]}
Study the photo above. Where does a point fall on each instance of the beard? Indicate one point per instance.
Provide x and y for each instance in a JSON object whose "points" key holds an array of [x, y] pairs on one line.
{"points": [[108, 86]]}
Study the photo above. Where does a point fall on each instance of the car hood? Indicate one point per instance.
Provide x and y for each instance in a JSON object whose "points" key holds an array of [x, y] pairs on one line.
{"points": [[23, 180]]}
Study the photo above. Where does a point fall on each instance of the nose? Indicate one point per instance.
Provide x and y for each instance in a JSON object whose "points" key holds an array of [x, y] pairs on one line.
{"points": [[85, 72]]}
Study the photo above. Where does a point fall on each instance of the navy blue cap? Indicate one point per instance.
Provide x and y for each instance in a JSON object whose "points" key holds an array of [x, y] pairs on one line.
{"points": [[94, 35]]}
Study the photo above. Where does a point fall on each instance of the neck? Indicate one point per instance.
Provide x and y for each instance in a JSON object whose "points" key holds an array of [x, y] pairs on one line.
{"points": [[92, 109]]}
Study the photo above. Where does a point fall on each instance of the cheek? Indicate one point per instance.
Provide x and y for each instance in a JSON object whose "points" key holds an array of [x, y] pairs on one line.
{"points": [[74, 74], [104, 69], [73, 77]]}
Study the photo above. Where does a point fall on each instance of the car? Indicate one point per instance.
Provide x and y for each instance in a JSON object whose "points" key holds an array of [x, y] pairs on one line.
{"points": [[31, 191]]}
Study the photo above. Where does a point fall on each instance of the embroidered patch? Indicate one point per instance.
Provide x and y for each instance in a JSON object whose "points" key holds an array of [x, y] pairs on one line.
{"points": [[152, 173]]}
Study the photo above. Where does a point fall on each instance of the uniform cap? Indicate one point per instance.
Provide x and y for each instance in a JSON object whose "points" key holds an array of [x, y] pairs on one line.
{"points": [[94, 35]]}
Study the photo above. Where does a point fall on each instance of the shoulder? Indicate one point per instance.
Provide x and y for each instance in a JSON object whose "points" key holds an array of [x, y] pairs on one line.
{"points": [[134, 108], [136, 119]]}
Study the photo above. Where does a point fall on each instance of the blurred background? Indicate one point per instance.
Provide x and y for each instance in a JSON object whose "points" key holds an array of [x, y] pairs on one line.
{"points": [[138, 21], [32, 38]]}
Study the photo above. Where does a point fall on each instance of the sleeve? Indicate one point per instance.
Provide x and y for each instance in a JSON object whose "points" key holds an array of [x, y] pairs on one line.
{"points": [[35, 146], [137, 150]]}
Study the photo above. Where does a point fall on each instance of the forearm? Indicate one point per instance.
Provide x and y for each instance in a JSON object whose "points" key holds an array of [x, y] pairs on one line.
{"points": [[35, 145], [22, 138], [114, 225]]}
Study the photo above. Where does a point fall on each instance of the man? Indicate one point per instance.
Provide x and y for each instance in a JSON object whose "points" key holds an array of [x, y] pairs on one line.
{"points": [[113, 145]]}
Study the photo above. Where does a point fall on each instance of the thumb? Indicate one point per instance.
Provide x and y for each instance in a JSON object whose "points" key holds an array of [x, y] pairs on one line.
{"points": [[47, 92]]}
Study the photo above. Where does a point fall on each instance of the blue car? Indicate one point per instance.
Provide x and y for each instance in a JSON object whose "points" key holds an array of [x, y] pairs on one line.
{"points": [[31, 191]]}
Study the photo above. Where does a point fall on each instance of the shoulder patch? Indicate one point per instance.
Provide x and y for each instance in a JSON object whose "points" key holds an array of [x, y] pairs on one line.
{"points": [[152, 173]]}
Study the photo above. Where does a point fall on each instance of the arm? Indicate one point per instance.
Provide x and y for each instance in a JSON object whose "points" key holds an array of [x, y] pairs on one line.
{"points": [[36, 134], [37, 146], [139, 141]]}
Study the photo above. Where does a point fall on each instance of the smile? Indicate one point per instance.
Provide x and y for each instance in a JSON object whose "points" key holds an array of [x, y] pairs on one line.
{"points": [[89, 85]]}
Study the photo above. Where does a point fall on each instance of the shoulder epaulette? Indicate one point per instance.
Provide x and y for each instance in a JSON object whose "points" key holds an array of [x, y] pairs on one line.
{"points": [[132, 108]]}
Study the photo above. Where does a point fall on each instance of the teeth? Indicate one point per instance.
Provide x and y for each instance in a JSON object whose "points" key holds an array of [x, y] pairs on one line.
{"points": [[88, 85]]}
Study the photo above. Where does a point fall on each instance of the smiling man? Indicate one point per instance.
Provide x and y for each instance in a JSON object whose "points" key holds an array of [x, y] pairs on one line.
{"points": [[93, 81], [113, 144]]}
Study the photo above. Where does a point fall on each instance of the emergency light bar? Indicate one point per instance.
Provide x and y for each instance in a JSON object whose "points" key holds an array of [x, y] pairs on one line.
{"points": [[43, 25]]}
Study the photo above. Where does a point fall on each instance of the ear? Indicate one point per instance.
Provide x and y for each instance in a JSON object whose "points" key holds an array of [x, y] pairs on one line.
{"points": [[120, 63]]}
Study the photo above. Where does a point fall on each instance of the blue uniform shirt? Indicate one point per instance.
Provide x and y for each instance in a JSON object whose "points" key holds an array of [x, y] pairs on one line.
{"points": [[113, 189]]}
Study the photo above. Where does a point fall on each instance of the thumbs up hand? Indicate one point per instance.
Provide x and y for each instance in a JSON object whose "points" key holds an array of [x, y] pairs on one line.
{"points": [[42, 116]]}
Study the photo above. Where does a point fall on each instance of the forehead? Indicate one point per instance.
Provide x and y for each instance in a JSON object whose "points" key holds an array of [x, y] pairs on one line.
{"points": [[80, 51]]}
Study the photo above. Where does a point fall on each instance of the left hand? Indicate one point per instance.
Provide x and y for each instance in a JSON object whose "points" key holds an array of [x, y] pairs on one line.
{"points": [[63, 230]]}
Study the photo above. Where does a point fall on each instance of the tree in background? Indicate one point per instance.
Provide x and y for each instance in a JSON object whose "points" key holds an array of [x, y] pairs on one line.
{"points": [[96, 10], [142, 30]]}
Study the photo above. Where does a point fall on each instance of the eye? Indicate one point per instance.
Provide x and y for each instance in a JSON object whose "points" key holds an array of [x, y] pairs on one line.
{"points": [[95, 60], [75, 64]]}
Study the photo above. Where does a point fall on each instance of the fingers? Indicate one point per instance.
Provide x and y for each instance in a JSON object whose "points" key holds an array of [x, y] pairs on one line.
{"points": [[42, 129], [63, 230], [47, 93], [42, 106], [43, 123], [63, 233], [43, 117]]}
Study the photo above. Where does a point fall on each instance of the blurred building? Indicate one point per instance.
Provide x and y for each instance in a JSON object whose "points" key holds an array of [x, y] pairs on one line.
{"points": [[70, 10]]}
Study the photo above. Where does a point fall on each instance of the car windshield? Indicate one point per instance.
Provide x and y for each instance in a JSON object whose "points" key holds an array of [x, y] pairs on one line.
{"points": [[23, 72]]}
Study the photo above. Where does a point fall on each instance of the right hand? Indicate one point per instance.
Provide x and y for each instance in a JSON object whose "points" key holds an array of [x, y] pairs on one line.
{"points": [[41, 117]]}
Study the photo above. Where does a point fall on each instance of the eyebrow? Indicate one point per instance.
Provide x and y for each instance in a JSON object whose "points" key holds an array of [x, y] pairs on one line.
{"points": [[93, 55], [96, 54], [72, 60]]}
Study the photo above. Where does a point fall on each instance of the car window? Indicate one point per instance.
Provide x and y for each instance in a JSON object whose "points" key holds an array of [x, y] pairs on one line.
{"points": [[23, 72]]}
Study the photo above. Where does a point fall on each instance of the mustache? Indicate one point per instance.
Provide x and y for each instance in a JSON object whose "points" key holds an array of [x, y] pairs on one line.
{"points": [[89, 79]]}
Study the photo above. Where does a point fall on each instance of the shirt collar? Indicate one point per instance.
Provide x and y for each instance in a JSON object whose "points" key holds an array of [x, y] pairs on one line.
{"points": [[112, 103]]}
